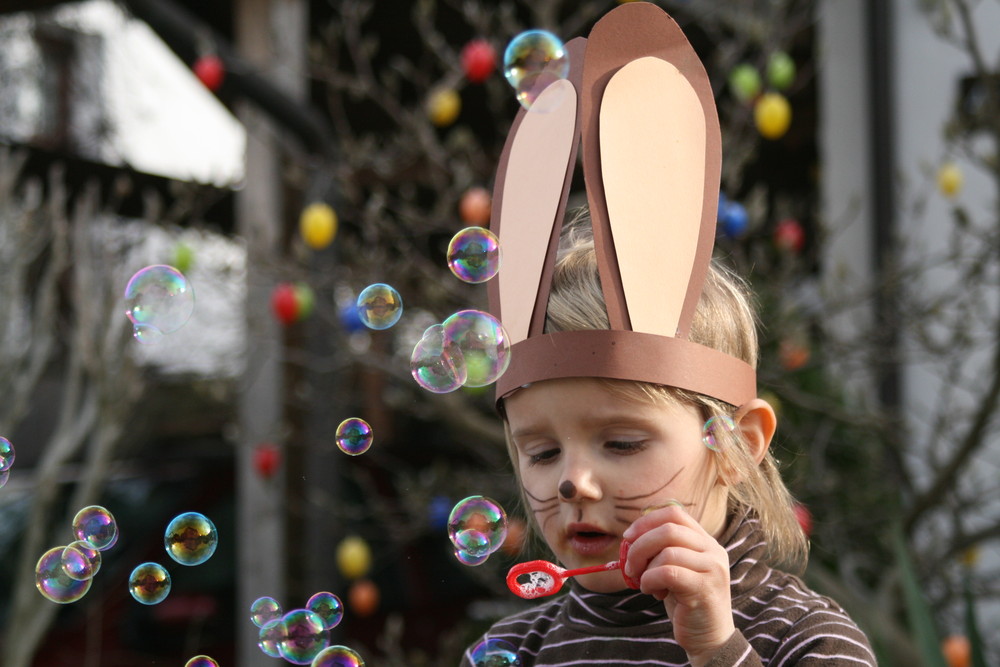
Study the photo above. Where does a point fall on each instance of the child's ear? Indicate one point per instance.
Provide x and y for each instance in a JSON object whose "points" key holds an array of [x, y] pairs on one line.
{"points": [[757, 422]]}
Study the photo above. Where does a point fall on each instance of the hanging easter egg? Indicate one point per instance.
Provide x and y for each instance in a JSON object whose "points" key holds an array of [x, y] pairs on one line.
{"points": [[780, 70], [744, 82], [318, 225], [354, 557], [305, 300], [772, 114], [284, 303], [949, 179], [957, 651], [363, 597], [793, 354], [513, 542], [479, 59], [474, 207], [350, 319], [734, 219], [183, 257], [804, 518], [210, 71], [443, 107], [789, 235], [266, 459]]}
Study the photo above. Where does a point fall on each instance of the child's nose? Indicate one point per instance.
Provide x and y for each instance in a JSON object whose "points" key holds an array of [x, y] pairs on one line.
{"points": [[579, 483]]}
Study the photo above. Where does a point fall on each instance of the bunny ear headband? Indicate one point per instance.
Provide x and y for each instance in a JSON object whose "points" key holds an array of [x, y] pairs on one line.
{"points": [[640, 103]]}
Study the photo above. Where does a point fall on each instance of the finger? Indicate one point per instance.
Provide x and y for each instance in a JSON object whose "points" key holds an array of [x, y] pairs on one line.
{"points": [[686, 575], [671, 513], [651, 543]]}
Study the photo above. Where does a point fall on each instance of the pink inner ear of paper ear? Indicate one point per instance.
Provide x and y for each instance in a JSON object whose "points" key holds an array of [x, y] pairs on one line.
{"points": [[535, 174], [652, 137]]}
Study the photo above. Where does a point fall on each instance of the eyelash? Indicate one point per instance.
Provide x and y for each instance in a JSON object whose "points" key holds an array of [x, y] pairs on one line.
{"points": [[622, 447]]}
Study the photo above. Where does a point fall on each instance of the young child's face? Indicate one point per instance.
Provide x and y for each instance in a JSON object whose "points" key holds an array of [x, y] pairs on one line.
{"points": [[590, 461]]}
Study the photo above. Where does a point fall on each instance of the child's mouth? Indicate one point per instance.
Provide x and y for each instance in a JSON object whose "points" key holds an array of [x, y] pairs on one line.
{"points": [[589, 541]]}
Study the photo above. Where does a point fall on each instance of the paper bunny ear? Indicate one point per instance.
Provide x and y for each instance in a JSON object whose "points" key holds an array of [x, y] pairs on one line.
{"points": [[652, 157]]}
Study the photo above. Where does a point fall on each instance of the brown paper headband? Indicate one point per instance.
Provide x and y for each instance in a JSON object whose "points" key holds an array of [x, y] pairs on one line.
{"points": [[639, 100]]}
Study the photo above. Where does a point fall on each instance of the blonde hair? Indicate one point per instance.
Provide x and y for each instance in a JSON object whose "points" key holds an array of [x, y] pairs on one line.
{"points": [[725, 319]]}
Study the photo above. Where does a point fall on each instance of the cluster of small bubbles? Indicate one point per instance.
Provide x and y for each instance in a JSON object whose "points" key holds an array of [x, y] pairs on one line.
{"points": [[97, 526], [158, 300], [710, 431], [201, 661], [477, 526], [271, 634], [190, 538], [6, 460], [149, 583], [495, 653], [437, 363], [474, 255], [379, 306], [80, 560], [264, 610], [338, 656], [53, 582], [328, 607], [304, 636], [354, 436], [533, 60], [484, 345]]}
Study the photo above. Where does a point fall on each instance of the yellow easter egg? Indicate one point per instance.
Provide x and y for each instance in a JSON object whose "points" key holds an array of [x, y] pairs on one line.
{"points": [[354, 557], [949, 178], [318, 225], [443, 107], [772, 114]]}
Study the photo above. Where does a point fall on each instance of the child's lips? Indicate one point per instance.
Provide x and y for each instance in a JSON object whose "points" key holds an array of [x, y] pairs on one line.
{"points": [[589, 540]]}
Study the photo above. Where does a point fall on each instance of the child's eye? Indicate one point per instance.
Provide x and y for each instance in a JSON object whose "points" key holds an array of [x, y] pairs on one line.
{"points": [[626, 446], [544, 456]]}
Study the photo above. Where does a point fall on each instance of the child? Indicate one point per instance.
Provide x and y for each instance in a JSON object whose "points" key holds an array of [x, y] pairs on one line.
{"points": [[630, 403]]}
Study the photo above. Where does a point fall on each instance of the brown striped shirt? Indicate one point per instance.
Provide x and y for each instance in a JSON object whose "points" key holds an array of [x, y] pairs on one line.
{"points": [[779, 621]]}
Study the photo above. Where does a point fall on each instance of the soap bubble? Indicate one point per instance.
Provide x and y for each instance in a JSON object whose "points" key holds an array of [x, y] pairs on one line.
{"points": [[264, 610], [532, 61], [146, 334], [190, 538], [477, 514], [96, 525], [710, 432], [484, 345], [495, 653], [149, 583], [159, 296], [474, 255], [6, 454], [80, 560], [437, 364], [472, 560], [379, 306], [328, 607], [271, 634], [305, 636], [4, 476], [52, 581], [338, 656], [201, 661], [354, 436], [472, 543]]}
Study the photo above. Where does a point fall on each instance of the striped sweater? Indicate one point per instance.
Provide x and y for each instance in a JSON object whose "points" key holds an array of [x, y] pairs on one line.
{"points": [[779, 621]]}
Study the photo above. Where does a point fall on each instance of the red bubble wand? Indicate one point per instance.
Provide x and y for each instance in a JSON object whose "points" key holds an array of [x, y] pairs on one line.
{"points": [[539, 578]]}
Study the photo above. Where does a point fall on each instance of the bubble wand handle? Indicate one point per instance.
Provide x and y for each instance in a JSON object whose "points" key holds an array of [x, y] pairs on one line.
{"points": [[538, 578]]}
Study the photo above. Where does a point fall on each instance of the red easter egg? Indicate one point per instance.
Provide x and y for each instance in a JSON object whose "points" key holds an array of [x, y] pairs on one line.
{"points": [[789, 235], [266, 459], [804, 517], [285, 303], [479, 59], [363, 597], [210, 71]]}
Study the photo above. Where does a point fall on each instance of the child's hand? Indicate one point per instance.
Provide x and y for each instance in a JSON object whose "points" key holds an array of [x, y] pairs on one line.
{"points": [[677, 561]]}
